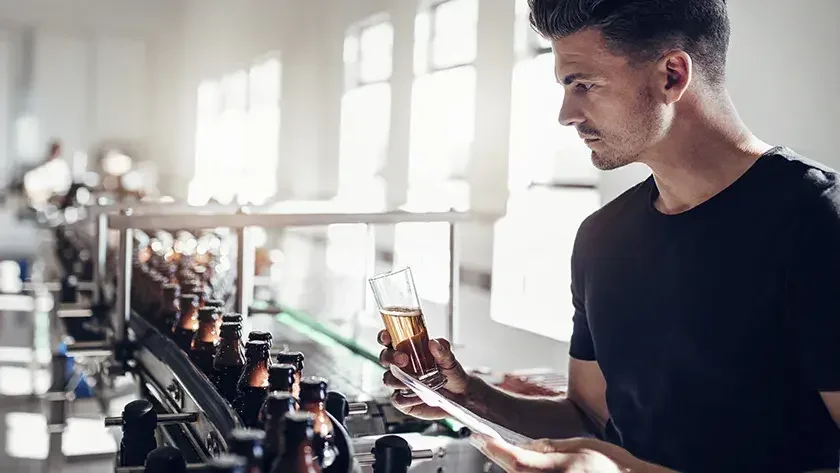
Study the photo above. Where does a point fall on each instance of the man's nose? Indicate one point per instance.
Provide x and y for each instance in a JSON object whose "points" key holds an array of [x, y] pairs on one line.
{"points": [[570, 114]]}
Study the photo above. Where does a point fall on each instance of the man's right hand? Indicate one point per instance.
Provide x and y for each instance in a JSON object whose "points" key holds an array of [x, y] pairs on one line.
{"points": [[456, 378]]}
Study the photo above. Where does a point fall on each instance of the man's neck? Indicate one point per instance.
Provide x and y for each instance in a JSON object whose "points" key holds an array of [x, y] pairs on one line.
{"points": [[703, 155]]}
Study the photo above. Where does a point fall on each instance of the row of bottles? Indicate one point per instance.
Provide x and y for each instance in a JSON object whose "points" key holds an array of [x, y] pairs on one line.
{"points": [[288, 445]]}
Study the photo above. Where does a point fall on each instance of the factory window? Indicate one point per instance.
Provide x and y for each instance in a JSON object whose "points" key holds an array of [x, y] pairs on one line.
{"points": [[365, 129], [552, 189], [365, 113], [442, 132], [237, 136]]}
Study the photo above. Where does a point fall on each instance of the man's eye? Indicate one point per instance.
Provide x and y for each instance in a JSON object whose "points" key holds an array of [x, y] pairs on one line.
{"points": [[583, 87]]}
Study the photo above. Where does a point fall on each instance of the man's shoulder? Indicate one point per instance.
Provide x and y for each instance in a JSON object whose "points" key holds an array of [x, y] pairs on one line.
{"points": [[812, 182], [615, 211]]}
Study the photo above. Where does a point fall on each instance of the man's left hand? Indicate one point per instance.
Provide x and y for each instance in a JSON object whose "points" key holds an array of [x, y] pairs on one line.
{"points": [[567, 456]]}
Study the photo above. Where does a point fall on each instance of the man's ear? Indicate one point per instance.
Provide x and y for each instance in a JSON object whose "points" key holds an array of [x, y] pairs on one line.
{"points": [[674, 74]]}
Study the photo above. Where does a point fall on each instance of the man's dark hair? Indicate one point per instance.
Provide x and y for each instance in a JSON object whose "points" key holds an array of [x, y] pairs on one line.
{"points": [[644, 29]]}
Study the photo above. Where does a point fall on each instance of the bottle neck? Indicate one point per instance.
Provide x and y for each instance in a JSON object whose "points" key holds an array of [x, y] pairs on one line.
{"points": [[257, 373], [188, 319], [207, 332]]}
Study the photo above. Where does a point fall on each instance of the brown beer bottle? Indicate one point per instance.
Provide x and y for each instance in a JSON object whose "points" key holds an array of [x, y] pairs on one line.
{"points": [[283, 378], [196, 287], [229, 361], [186, 323], [169, 311], [313, 398], [262, 336], [253, 384], [299, 456], [220, 308], [274, 411], [203, 348], [294, 358], [248, 444], [232, 318]]}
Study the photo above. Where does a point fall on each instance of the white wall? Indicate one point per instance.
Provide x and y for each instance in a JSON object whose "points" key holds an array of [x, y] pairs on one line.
{"points": [[782, 65], [82, 69]]}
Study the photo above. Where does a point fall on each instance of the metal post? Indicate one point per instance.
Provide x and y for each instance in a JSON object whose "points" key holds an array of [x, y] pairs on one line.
{"points": [[244, 271], [56, 400], [453, 318], [119, 320], [99, 256], [370, 268]]}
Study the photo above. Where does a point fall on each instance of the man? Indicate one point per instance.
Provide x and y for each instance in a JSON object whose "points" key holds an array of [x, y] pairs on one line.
{"points": [[706, 328]]}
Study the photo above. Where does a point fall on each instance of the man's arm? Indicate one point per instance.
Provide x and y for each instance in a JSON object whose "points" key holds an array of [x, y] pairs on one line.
{"points": [[582, 413], [832, 403]]}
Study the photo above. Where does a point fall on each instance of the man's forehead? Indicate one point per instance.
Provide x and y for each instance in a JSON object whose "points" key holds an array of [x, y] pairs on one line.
{"points": [[585, 49]]}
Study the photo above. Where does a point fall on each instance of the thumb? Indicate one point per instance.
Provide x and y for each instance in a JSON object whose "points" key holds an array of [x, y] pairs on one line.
{"points": [[442, 351]]}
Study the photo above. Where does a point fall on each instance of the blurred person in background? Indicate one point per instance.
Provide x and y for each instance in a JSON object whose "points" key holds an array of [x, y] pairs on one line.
{"points": [[706, 337]]}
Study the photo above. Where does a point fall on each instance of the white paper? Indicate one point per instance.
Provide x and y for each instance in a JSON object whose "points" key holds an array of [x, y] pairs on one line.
{"points": [[459, 413]]}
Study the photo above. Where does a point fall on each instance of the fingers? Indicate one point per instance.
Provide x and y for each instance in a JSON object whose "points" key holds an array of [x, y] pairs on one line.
{"points": [[442, 351], [514, 459], [542, 446], [384, 338], [391, 381], [388, 357], [415, 407]]}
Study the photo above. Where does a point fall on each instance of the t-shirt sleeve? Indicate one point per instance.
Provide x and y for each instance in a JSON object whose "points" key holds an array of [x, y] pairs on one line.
{"points": [[581, 346], [815, 284]]}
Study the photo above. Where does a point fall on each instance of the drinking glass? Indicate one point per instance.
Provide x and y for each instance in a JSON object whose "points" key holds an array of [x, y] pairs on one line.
{"points": [[396, 297]]}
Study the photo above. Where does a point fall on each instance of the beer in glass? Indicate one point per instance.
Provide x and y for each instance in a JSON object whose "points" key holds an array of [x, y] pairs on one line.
{"points": [[399, 305]]}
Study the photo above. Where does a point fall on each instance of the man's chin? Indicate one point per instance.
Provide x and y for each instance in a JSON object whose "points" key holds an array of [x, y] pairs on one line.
{"points": [[606, 163]]}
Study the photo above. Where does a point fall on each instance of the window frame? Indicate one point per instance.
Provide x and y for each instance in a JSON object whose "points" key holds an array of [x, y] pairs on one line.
{"points": [[353, 75]]}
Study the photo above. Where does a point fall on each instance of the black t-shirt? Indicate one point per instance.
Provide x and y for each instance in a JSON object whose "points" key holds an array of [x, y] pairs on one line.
{"points": [[717, 328]]}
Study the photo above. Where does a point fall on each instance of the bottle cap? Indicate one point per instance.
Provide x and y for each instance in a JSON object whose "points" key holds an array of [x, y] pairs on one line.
{"points": [[207, 314], [232, 318], [313, 389], [168, 459], [281, 377], [299, 426], [294, 358], [259, 335], [278, 404], [171, 290], [139, 416], [188, 299], [218, 304], [247, 443], [256, 350], [231, 330], [226, 463]]}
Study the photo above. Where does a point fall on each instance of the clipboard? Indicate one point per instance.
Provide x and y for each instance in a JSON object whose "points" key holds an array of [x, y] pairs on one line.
{"points": [[459, 413]]}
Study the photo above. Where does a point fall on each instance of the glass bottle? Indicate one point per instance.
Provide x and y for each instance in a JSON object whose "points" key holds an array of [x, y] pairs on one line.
{"points": [[294, 358], [262, 336], [248, 444], [229, 361], [186, 323], [232, 318], [138, 433], [313, 398], [169, 311], [273, 414], [253, 384], [299, 455], [203, 348], [220, 308], [166, 459], [283, 378]]}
